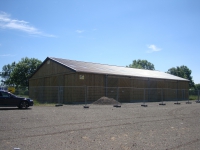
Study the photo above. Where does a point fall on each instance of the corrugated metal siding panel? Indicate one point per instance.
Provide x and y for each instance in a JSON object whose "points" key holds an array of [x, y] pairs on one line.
{"points": [[99, 80], [112, 82], [47, 81], [33, 82], [70, 80], [141, 83], [160, 84], [51, 68], [172, 84], [152, 84], [124, 82]]}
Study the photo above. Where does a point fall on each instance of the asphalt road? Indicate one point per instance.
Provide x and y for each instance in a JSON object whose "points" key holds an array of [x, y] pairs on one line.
{"points": [[69, 127]]}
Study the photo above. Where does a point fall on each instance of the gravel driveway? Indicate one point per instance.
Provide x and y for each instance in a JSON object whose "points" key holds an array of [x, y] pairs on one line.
{"points": [[69, 127]]}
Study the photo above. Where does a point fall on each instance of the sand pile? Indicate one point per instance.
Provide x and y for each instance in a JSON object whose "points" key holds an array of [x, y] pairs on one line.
{"points": [[106, 101]]}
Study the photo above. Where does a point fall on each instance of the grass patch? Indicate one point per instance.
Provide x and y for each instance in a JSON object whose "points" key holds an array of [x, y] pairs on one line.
{"points": [[193, 97], [37, 103]]}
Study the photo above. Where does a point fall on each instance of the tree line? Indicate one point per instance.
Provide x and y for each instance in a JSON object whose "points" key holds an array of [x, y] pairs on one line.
{"points": [[18, 74]]}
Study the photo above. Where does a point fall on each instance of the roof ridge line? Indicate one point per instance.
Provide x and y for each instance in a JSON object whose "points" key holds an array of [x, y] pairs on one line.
{"points": [[102, 64]]}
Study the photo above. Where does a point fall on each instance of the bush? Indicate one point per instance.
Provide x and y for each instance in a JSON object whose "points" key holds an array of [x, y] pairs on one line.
{"points": [[22, 91]]}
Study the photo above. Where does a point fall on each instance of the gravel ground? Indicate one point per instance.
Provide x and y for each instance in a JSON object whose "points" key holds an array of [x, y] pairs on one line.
{"points": [[104, 127]]}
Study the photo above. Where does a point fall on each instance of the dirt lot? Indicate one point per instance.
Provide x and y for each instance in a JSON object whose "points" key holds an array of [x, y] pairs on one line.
{"points": [[104, 127]]}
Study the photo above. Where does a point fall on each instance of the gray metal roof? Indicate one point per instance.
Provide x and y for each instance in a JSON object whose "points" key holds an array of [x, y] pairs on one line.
{"points": [[88, 67]]}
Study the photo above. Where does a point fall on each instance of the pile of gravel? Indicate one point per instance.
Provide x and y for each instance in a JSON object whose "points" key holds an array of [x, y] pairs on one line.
{"points": [[106, 101]]}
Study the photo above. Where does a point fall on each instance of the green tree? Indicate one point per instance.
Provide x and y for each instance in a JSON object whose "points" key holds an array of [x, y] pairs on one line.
{"points": [[5, 74], [197, 86], [21, 71], [141, 64], [183, 72]]}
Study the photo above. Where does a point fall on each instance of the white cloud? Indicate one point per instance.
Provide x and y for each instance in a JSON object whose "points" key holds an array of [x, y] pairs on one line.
{"points": [[79, 31], [6, 22], [153, 48], [7, 55]]}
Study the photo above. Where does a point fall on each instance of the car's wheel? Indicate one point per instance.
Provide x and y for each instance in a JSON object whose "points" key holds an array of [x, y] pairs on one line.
{"points": [[23, 104]]}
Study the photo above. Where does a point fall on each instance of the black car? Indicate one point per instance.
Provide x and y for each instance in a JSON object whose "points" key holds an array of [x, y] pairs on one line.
{"points": [[8, 99]]}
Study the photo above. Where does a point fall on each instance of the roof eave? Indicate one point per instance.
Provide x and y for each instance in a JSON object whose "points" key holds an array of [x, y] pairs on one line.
{"points": [[132, 76]]}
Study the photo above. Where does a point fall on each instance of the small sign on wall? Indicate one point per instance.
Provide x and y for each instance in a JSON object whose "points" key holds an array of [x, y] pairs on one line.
{"points": [[81, 77]]}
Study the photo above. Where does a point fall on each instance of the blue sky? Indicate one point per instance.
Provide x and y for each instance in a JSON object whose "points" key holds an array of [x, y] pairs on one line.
{"points": [[114, 32]]}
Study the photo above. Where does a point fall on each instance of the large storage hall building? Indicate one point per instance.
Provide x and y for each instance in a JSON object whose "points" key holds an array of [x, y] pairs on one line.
{"points": [[71, 81]]}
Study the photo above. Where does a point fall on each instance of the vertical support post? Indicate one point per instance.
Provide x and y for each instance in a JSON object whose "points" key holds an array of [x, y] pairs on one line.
{"points": [[117, 94], [177, 92], [182, 95], [117, 105], [85, 95], [148, 89], [162, 98], [62, 95], [86, 91], [106, 84], [59, 95], [162, 95], [198, 97], [177, 103], [144, 105], [188, 102]]}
